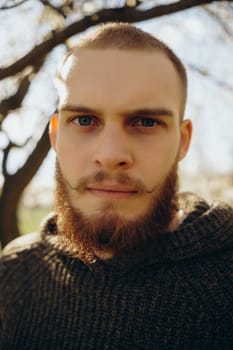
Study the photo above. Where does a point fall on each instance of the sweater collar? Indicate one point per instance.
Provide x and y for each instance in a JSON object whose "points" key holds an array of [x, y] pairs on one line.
{"points": [[205, 229]]}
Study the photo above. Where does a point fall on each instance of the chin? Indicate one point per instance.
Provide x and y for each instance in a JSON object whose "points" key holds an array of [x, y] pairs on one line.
{"points": [[114, 212]]}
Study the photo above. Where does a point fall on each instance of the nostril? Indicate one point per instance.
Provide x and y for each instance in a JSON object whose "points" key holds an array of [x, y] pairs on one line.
{"points": [[112, 161], [98, 163], [122, 164]]}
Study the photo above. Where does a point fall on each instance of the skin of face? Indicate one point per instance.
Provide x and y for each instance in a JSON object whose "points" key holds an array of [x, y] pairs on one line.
{"points": [[119, 114]]}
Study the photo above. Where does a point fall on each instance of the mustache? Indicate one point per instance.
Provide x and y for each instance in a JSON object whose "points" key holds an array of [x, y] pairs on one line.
{"points": [[118, 178]]}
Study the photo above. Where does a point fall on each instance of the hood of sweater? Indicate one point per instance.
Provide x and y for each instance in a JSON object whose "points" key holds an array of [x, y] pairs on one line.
{"points": [[206, 229]]}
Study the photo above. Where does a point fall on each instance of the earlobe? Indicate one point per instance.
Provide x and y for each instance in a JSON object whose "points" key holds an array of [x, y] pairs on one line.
{"points": [[186, 134], [53, 130]]}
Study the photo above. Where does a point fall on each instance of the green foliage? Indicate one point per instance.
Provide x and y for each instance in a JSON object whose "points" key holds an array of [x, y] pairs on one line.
{"points": [[30, 218]]}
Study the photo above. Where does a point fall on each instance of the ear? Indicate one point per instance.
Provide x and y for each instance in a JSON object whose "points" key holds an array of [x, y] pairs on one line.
{"points": [[186, 134], [53, 130]]}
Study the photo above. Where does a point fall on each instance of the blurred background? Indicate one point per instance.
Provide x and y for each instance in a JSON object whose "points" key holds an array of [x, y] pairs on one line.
{"points": [[35, 34]]}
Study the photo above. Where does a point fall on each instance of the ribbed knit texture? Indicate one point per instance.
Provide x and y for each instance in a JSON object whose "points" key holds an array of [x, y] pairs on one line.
{"points": [[180, 296]]}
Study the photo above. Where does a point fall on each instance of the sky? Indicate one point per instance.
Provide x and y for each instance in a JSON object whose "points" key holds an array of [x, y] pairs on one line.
{"points": [[195, 37]]}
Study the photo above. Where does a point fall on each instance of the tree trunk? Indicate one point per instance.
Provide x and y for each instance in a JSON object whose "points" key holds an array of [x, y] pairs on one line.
{"points": [[8, 212], [14, 186]]}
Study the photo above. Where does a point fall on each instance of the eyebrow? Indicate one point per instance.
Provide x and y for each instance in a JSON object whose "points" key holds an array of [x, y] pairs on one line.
{"points": [[149, 112], [81, 109]]}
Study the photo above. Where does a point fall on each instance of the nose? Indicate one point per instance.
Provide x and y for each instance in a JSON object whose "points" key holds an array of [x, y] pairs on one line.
{"points": [[112, 150]]}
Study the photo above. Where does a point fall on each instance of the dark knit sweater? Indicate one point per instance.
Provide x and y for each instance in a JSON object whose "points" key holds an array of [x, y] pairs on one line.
{"points": [[179, 297]]}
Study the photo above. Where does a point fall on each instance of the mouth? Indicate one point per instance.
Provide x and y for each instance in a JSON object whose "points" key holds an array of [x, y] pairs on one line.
{"points": [[111, 191]]}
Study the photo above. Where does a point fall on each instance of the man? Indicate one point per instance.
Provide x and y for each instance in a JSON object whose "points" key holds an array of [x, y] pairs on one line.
{"points": [[124, 262]]}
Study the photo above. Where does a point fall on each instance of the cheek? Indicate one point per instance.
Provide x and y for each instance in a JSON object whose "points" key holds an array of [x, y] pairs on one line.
{"points": [[71, 158], [157, 163]]}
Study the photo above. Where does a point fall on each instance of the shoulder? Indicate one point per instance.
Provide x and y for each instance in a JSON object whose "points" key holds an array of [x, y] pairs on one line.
{"points": [[20, 255], [21, 262], [21, 243]]}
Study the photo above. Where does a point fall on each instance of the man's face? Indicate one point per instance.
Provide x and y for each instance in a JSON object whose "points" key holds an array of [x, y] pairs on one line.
{"points": [[119, 132]]}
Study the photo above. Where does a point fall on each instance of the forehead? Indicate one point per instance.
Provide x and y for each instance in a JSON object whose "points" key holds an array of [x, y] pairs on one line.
{"points": [[120, 76]]}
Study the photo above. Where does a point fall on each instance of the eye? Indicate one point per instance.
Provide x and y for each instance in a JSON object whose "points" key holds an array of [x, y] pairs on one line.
{"points": [[84, 120], [147, 122]]}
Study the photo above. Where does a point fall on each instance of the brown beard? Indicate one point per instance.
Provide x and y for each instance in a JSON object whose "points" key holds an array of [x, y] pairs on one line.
{"points": [[84, 236]]}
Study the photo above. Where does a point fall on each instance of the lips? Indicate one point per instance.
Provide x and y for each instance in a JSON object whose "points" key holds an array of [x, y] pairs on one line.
{"points": [[114, 191]]}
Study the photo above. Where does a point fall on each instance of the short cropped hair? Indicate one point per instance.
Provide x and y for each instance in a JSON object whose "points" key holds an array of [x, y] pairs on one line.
{"points": [[124, 36]]}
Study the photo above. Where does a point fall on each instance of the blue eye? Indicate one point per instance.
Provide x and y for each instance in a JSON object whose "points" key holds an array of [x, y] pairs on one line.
{"points": [[84, 121], [147, 122]]}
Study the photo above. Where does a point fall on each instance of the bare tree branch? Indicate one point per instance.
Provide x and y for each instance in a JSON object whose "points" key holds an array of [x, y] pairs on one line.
{"points": [[123, 14], [8, 7], [13, 102], [59, 10], [205, 73], [219, 20], [24, 175], [6, 152], [5, 157]]}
